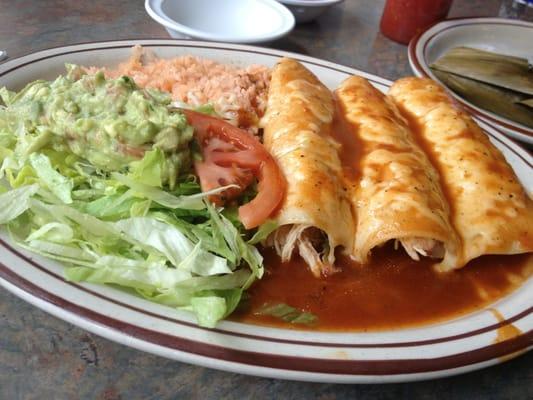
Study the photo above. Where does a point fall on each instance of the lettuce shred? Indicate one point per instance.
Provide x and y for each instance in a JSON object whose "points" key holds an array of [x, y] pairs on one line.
{"points": [[168, 245]]}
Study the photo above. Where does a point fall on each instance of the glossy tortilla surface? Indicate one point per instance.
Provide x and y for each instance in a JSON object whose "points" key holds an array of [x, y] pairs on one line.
{"points": [[490, 210], [297, 128], [397, 195]]}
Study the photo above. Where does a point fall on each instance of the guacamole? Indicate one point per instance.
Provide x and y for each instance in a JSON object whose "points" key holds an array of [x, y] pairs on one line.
{"points": [[109, 122]]}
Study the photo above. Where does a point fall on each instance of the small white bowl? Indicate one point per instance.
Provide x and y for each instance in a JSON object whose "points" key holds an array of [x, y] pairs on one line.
{"points": [[242, 21], [308, 10]]}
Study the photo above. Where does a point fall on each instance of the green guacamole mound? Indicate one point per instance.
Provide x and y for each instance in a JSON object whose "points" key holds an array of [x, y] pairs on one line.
{"points": [[109, 122]]}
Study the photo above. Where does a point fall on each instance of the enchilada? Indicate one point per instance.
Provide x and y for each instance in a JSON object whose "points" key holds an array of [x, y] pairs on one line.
{"points": [[489, 208], [397, 195], [315, 217]]}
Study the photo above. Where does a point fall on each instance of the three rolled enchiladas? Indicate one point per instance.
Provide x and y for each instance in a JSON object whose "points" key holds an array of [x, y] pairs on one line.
{"points": [[408, 167]]}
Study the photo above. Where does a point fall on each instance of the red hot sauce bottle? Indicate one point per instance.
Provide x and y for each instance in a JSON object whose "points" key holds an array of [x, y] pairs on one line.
{"points": [[403, 19]]}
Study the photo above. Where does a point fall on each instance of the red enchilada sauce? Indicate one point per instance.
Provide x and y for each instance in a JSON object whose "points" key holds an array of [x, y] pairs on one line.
{"points": [[392, 291]]}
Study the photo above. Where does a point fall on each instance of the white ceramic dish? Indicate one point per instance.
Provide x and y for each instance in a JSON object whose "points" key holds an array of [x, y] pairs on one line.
{"points": [[436, 350], [236, 21], [503, 36], [308, 10]]}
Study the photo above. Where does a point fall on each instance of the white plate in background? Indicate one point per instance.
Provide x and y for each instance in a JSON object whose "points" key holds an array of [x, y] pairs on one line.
{"points": [[498, 35]]}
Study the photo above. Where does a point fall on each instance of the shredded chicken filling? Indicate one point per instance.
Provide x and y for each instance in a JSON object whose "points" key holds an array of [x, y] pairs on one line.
{"points": [[417, 246], [312, 245]]}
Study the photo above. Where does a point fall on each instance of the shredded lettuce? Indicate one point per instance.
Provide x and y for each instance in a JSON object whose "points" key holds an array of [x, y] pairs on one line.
{"points": [[54, 232], [58, 184], [166, 199], [212, 306], [134, 227], [15, 202], [264, 230], [149, 169], [287, 313], [241, 249], [169, 241], [160, 256]]}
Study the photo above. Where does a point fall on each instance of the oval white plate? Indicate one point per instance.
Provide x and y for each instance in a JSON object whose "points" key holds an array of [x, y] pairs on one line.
{"points": [[499, 35], [431, 351], [242, 21]]}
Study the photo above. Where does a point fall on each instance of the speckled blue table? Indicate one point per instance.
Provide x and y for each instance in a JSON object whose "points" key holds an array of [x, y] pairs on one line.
{"points": [[43, 358]]}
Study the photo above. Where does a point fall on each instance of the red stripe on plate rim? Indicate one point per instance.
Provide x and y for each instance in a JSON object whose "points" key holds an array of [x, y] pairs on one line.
{"points": [[295, 363], [464, 335]]}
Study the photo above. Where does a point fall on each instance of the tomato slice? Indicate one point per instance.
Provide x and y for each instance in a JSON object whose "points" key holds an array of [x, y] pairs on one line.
{"points": [[233, 156], [215, 170]]}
